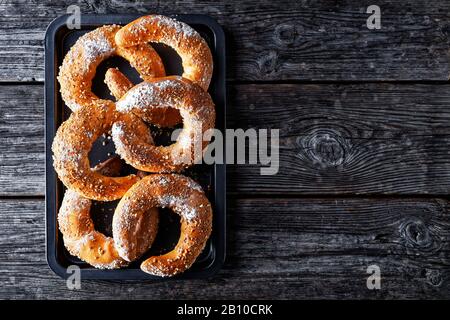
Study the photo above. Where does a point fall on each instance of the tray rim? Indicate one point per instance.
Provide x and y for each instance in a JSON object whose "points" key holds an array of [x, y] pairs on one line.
{"points": [[50, 129]]}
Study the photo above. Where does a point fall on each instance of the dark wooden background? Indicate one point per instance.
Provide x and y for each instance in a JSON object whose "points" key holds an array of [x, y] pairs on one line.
{"points": [[365, 150]]}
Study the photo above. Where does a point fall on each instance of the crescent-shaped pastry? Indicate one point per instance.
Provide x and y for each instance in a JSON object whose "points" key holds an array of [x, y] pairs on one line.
{"points": [[186, 198], [196, 108], [82, 240], [80, 64], [192, 48]]}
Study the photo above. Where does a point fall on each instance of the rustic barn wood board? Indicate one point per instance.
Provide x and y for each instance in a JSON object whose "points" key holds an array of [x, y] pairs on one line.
{"points": [[364, 119]]}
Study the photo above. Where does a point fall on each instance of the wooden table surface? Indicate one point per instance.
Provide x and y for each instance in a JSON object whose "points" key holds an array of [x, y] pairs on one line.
{"points": [[364, 119]]}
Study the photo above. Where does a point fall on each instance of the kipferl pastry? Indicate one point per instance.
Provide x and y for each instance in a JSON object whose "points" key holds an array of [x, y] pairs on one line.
{"points": [[80, 64], [196, 108], [186, 198], [119, 85], [82, 240], [195, 54], [71, 146]]}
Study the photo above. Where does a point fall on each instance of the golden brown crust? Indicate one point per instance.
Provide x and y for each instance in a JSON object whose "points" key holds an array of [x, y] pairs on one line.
{"points": [[119, 85], [117, 82], [80, 64], [79, 235], [144, 59], [192, 48], [71, 147], [195, 106], [186, 198]]}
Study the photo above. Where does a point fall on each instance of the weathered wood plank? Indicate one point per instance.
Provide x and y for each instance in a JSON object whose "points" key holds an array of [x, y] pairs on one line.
{"points": [[335, 139], [354, 139], [269, 40], [22, 157], [280, 248]]}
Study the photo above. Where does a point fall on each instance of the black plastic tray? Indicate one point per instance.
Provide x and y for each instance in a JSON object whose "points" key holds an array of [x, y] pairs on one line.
{"points": [[58, 40]]}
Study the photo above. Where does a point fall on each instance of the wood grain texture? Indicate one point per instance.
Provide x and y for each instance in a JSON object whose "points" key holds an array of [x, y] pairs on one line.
{"points": [[22, 157], [334, 139], [268, 40], [348, 139], [365, 167], [277, 248]]}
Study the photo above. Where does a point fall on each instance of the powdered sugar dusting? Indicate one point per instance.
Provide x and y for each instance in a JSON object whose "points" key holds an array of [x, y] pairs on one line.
{"points": [[194, 185], [73, 104], [180, 28], [165, 25], [149, 94], [123, 222], [97, 48], [162, 181], [178, 204], [117, 134], [72, 203]]}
